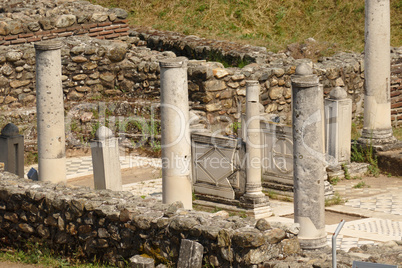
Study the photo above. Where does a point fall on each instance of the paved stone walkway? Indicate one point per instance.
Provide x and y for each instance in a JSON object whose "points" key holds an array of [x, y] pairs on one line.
{"points": [[381, 211]]}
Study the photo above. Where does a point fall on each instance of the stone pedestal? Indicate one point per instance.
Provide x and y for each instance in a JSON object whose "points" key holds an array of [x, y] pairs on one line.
{"points": [[175, 141], [12, 150], [377, 128], [338, 125], [309, 157], [50, 112], [105, 160], [254, 198]]}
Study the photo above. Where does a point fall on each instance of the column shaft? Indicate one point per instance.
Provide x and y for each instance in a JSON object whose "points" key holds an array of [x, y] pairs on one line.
{"points": [[308, 157], [377, 102], [176, 147], [50, 112]]}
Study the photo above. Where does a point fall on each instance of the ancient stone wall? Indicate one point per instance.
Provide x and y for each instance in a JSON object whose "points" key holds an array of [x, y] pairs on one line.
{"points": [[126, 69], [33, 20], [396, 89], [110, 226]]}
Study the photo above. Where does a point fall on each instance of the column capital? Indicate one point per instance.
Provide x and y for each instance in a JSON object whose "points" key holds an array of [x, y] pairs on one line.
{"points": [[48, 45], [179, 62]]}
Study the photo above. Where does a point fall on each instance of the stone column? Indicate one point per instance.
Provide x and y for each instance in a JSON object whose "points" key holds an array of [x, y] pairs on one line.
{"points": [[12, 150], [50, 112], [308, 157], [253, 197], [105, 160], [338, 114], [377, 102], [175, 141]]}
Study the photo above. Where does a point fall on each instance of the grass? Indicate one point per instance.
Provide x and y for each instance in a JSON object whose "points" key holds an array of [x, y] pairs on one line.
{"points": [[42, 256], [336, 200], [361, 184], [270, 23], [398, 133]]}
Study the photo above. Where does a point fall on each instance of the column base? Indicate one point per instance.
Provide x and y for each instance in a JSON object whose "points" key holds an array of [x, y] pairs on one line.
{"points": [[257, 205], [313, 243], [377, 136], [254, 200]]}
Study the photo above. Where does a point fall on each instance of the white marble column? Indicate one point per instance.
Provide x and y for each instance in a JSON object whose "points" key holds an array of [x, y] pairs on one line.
{"points": [[377, 127], [175, 141], [308, 157], [50, 112], [254, 197]]}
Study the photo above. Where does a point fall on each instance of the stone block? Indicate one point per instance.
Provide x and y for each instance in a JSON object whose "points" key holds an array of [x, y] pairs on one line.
{"points": [[190, 255], [138, 261]]}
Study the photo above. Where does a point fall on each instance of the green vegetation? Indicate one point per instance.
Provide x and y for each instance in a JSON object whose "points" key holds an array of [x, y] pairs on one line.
{"points": [[361, 184], [346, 170], [30, 158], [398, 131], [365, 154], [43, 256], [273, 24], [150, 130], [336, 200], [334, 181]]}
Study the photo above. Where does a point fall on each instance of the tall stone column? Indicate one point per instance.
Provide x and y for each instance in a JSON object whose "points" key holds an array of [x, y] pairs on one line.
{"points": [[176, 147], [50, 112], [377, 102], [308, 157], [254, 198]]}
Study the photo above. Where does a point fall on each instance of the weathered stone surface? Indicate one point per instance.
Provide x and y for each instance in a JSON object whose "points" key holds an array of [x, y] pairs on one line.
{"points": [[9, 99], [233, 85], [213, 107], [190, 255], [26, 228], [13, 56], [89, 66], [7, 70], [247, 237], [117, 53], [220, 73], [275, 93], [275, 235], [79, 77], [3, 81], [108, 77], [34, 26], [99, 17], [138, 261], [82, 89], [65, 21], [4, 30], [15, 27], [214, 85], [262, 225], [47, 23], [79, 59]]}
